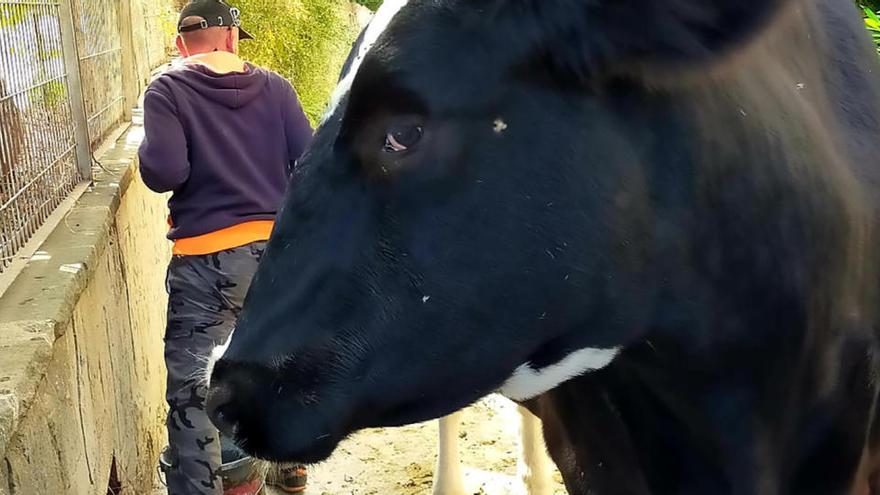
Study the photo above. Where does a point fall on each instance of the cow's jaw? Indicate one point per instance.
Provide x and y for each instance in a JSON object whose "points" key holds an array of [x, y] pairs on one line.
{"points": [[527, 382]]}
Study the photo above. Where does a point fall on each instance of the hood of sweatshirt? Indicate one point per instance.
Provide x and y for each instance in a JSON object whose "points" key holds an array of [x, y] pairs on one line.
{"points": [[233, 90]]}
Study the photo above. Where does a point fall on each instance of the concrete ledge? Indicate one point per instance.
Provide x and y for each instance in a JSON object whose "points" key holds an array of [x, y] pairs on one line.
{"points": [[81, 377]]}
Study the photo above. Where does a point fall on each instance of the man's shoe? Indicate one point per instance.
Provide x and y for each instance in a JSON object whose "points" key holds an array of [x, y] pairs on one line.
{"points": [[289, 478]]}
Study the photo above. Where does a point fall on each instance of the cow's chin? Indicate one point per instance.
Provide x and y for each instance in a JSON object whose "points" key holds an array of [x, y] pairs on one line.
{"points": [[301, 437], [282, 441], [418, 412]]}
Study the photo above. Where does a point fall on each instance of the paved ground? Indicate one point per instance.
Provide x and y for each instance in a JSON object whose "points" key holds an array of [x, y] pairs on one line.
{"points": [[400, 461]]}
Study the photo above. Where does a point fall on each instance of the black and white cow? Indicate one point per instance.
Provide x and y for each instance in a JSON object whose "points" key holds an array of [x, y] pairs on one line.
{"points": [[651, 221]]}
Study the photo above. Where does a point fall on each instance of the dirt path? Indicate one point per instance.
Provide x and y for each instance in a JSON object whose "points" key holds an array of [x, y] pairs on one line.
{"points": [[400, 461]]}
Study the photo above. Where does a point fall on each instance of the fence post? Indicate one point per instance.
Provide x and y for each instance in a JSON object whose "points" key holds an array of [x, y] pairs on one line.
{"points": [[130, 82], [74, 90]]}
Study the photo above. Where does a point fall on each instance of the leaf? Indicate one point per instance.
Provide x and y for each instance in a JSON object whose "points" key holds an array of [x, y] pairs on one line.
{"points": [[872, 22]]}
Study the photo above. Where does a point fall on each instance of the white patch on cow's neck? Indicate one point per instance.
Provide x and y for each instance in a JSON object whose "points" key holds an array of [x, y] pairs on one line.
{"points": [[216, 353], [380, 21], [527, 382]]}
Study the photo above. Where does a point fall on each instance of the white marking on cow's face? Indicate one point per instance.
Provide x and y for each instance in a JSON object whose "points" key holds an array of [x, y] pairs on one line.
{"points": [[216, 353], [527, 382], [380, 21]]}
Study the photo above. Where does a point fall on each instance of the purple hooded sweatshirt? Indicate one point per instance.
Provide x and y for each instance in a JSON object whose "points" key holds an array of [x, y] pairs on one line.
{"points": [[223, 143]]}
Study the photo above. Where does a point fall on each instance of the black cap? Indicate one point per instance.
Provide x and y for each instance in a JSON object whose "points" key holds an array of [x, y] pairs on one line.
{"points": [[215, 13]]}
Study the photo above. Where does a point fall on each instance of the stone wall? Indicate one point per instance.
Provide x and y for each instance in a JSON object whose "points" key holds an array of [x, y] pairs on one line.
{"points": [[81, 368]]}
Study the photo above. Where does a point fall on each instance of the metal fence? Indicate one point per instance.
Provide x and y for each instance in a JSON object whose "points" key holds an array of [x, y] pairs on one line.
{"points": [[63, 82], [100, 64], [36, 129]]}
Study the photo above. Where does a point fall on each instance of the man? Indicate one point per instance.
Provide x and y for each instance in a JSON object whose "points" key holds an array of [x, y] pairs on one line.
{"points": [[221, 135]]}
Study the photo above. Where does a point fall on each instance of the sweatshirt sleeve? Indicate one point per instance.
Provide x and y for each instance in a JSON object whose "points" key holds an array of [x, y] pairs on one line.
{"points": [[297, 128], [163, 153]]}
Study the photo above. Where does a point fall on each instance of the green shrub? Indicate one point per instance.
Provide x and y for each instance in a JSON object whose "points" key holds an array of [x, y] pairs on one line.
{"points": [[872, 21], [306, 41], [370, 4], [874, 5]]}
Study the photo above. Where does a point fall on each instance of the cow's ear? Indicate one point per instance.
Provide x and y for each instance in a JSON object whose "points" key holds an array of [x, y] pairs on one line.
{"points": [[586, 38]]}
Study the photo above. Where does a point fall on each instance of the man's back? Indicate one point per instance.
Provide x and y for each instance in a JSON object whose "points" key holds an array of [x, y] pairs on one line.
{"points": [[230, 169]]}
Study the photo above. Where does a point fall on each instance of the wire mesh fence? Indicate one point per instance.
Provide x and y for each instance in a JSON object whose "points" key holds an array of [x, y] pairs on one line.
{"points": [[61, 73], [37, 168], [100, 64]]}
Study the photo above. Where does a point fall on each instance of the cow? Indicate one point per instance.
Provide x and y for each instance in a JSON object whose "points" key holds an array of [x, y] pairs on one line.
{"points": [[652, 223]]}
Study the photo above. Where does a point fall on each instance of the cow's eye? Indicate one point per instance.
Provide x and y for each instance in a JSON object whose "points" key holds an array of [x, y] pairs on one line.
{"points": [[401, 138]]}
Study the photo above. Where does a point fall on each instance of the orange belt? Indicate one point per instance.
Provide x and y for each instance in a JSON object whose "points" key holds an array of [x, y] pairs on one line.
{"points": [[223, 239]]}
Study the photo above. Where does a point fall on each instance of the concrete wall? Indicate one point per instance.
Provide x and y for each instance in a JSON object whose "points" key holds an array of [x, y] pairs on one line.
{"points": [[81, 367]]}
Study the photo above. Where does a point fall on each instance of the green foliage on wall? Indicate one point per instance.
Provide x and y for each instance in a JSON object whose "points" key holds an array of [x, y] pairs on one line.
{"points": [[305, 41], [874, 5], [872, 22], [370, 4]]}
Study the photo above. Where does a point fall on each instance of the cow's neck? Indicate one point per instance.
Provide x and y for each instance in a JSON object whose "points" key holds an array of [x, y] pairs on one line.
{"points": [[633, 428]]}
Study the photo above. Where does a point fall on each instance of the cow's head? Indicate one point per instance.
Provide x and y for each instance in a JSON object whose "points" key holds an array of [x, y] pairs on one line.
{"points": [[474, 214]]}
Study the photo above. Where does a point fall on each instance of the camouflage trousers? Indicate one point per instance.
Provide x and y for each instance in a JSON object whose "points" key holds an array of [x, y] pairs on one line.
{"points": [[205, 295]]}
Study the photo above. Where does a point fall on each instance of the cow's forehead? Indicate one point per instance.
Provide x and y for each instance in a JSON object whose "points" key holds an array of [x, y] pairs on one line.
{"points": [[378, 24]]}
